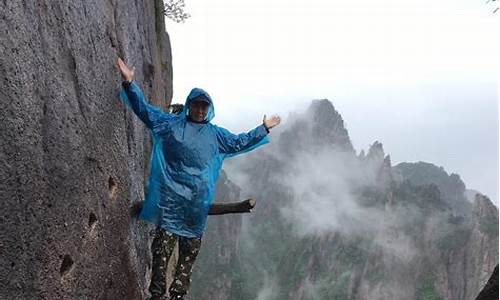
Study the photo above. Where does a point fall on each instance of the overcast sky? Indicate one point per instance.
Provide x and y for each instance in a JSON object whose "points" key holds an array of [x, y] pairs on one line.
{"points": [[420, 76]]}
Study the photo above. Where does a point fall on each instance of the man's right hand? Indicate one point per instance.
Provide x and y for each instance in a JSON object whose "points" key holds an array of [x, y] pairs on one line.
{"points": [[127, 74]]}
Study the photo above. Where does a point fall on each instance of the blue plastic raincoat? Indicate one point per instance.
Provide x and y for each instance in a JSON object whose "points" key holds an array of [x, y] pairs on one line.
{"points": [[186, 161]]}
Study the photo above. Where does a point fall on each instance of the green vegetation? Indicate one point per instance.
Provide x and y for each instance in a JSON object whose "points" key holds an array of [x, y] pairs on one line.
{"points": [[426, 197], [427, 291], [376, 276], [351, 254], [454, 239], [292, 268], [336, 289], [489, 228]]}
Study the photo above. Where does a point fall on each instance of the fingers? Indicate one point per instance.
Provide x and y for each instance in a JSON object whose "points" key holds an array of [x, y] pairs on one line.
{"points": [[273, 121], [126, 72], [120, 63], [123, 66]]}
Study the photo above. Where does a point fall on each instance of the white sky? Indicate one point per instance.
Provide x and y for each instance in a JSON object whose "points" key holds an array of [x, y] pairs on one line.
{"points": [[420, 76]]}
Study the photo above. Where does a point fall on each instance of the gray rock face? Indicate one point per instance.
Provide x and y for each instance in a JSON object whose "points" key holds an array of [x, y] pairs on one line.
{"points": [[490, 290], [72, 157], [321, 125]]}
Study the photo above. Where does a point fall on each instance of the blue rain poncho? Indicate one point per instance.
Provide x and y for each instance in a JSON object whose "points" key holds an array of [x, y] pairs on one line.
{"points": [[186, 161]]}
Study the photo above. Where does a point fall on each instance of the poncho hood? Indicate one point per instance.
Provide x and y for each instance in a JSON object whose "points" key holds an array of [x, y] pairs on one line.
{"points": [[194, 95]]}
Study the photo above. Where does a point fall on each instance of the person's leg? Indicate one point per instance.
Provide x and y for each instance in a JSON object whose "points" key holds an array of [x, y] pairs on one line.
{"points": [[188, 251], [162, 247]]}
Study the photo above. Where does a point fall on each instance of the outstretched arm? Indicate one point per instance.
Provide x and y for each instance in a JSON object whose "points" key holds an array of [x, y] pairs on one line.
{"points": [[230, 143], [133, 96]]}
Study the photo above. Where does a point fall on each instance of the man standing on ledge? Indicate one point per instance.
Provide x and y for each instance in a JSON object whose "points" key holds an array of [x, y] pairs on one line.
{"points": [[187, 156]]}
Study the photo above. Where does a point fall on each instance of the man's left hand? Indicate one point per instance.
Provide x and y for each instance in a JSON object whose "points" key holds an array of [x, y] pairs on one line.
{"points": [[273, 121]]}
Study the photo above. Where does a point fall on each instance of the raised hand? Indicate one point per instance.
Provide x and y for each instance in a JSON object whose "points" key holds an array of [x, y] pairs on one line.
{"points": [[273, 121], [127, 74]]}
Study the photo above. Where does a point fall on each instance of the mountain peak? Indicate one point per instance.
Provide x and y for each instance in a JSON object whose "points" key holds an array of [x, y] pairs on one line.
{"points": [[321, 105], [484, 208], [376, 152], [322, 112], [328, 125], [318, 127]]}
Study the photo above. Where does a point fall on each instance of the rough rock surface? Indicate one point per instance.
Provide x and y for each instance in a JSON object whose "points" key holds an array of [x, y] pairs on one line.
{"points": [[72, 157], [490, 290]]}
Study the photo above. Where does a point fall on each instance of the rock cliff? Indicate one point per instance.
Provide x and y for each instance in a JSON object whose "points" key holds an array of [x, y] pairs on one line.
{"points": [[72, 157]]}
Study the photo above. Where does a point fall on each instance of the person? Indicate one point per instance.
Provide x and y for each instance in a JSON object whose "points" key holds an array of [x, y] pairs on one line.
{"points": [[187, 156]]}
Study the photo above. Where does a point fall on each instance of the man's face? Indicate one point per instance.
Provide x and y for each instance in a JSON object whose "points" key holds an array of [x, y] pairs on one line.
{"points": [[198, 110]]}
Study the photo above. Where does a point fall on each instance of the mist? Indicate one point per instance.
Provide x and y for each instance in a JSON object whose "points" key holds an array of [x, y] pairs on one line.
{"points": [[323, 184], [322, 181], [419, 76]]}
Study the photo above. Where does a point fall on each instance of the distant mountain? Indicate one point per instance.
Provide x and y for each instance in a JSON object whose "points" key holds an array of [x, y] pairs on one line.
{"points": [[333, 224], [451, 187], [320, 126]]}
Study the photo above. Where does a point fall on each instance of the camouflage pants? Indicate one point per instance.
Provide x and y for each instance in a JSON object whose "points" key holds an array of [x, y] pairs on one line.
{"points": [[162, 247]]}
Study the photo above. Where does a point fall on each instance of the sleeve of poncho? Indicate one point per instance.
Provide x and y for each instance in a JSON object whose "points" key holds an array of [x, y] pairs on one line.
{"points": [[134, 98], [230, 143]]}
